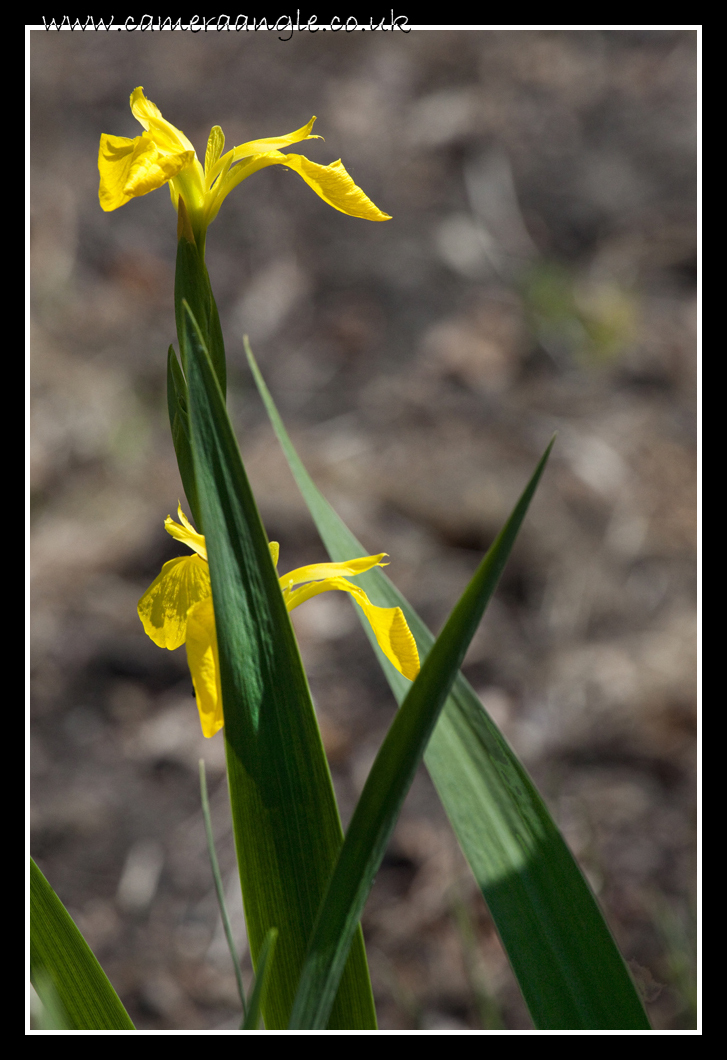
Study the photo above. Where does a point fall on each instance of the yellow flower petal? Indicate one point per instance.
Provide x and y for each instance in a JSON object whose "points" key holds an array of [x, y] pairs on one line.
{"points": [[129, 168], [215, 147], [204, 665], [228, 178], [115, 157], [264, 152], [153, 165], [276, 143], [336, 187], [388, 623], [164, 155], [274, 552], [150, 117], [163, 608], [142, 108], [318, 571], [186, 533]]}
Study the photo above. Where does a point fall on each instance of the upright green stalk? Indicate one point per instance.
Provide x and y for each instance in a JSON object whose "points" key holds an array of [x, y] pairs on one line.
{"points": [[286, 824]]}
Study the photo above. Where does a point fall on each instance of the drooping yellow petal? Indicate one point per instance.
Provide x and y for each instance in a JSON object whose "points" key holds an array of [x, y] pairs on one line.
{"points": [[186, 533], [332, 183], [204, 665], [388, 623], [336, 187], [163, 608], [318, 571]]}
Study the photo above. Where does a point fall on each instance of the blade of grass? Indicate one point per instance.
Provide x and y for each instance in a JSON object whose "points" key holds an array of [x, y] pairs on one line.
{"points": [[560, 948], [391, 776], [251, 1022], [66, 975], [287, 829], [217, 877]]}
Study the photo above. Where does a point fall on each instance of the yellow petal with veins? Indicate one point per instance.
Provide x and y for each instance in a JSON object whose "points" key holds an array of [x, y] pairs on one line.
{"points": [[163, 608], [392, 633], [129, 168], [336, 187]]}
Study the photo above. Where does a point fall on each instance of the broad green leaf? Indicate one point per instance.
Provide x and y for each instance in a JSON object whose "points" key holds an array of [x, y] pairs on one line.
{"points": [[560, 948], [287, 829], [177, 404], [66, 975], [390, 778], [251, 1022]]}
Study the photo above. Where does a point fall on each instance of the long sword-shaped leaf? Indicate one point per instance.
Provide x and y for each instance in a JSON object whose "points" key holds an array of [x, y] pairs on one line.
{"points": [[259, 992], [390, 778], [63, 967], [560, 948], [287, 829], [178, 406], [192, 284]]}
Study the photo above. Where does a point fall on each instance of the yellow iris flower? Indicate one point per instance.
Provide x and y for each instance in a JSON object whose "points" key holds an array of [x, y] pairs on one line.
{"points": [[164, 155], [177, 609]]}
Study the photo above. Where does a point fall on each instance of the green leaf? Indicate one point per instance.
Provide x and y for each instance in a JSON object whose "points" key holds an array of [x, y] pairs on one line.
{"points": [[192, 284], [560, 948], [251, 1022], [67, 977], [287, 829], [390, 778], [177, 403]]}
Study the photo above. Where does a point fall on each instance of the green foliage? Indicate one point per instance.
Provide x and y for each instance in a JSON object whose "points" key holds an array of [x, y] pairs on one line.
{"points": [[69, 981], [286, 823], [259, 993], [178, 405], [390, 779], [560, 948], [192, 284]]}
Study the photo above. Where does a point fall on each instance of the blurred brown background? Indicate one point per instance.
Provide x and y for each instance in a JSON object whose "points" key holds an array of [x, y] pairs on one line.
{"points": [[538, 275]]}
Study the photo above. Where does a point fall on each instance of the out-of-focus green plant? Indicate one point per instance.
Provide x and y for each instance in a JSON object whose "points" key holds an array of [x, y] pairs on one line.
{"points": [[304, 884], [584, 320]]}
